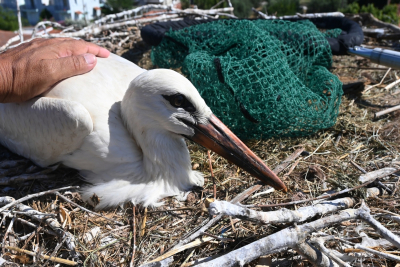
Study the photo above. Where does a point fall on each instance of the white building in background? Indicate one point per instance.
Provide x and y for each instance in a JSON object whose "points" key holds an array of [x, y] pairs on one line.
{"points": [[60, 9], [74, 9]]}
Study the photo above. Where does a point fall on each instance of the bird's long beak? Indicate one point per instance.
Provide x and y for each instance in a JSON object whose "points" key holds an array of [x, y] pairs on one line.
{"points": [[218, 138]]}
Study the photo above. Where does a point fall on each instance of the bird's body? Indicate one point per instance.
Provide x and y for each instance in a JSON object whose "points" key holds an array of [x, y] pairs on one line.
{"points": [[118, 125]]}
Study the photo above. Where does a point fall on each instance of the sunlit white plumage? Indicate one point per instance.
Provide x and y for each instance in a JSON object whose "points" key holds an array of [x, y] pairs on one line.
{"points": [[114, 126]]}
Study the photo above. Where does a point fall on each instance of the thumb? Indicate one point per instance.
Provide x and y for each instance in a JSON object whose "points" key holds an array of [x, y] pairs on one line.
{"points": [[73, 65]]}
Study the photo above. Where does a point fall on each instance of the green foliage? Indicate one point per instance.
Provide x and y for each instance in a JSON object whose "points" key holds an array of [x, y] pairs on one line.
{"points": [[353, 8], [243, 8], [45, 14], [387, 14], [119, 5], [78, 24], [205, 4], [283, 7], [185, 4], [318, 6], [8, 20]]}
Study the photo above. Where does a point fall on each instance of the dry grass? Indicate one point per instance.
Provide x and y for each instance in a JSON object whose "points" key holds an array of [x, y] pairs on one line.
{"points": [[356, 136]]}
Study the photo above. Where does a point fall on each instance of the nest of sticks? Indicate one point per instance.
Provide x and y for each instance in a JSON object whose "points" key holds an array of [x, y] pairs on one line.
{"points": [[341, 208]]}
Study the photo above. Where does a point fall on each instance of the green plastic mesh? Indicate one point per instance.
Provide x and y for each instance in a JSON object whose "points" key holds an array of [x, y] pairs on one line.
{"points": [[262, 78]]}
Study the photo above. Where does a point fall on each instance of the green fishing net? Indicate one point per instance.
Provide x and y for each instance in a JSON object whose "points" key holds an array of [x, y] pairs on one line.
{"points": [[262, 78]]}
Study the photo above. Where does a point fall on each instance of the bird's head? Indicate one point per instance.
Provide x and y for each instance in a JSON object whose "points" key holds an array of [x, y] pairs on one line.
{"points": [[168, 102]]}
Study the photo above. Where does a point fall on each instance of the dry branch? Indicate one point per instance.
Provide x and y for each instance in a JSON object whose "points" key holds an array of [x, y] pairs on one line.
{"points": [[378, 253], [319, 243], [238, 199], [314, 256], [282, 240], [386, 111], [68, 238], [365, 215], [371, 176], [282, 215], [35, 254]]}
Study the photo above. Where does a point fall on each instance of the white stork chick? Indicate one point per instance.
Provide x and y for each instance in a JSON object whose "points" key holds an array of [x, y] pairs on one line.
{"points": [[122, 127]]}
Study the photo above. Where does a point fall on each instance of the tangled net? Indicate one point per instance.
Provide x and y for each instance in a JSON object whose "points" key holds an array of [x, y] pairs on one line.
{"points": [[262, 78]]}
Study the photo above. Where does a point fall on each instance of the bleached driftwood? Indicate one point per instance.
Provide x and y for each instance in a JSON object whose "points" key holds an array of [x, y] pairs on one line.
{"points": [[378, 253], [386, 111], [279, 241], [369, 19], [238, 199], [314, 256], [319, 243], [282, 215], [298, 15], [132, 13], [365, 215], [377, 174], [293, 236]]}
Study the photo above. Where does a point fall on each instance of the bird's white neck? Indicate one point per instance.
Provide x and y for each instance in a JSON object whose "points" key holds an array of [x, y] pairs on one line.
{"points": [[165, 156]]}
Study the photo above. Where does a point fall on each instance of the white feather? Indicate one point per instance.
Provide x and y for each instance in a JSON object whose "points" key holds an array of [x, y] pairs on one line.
{"points": [[114, 126]]}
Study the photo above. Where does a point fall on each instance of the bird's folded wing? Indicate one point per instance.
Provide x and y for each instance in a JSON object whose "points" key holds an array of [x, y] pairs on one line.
{"points": [[43, 129]]}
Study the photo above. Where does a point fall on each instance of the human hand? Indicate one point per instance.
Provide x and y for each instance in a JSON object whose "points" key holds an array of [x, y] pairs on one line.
{"points": [[32, 68]]}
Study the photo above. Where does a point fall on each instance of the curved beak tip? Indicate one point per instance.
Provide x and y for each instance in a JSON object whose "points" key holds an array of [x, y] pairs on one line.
{"points": [[218, 138]]}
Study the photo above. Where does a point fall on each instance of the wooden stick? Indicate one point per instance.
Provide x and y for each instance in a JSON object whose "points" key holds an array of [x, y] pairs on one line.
{"points": [[9, 205], [212, 174], [386, 111], [381, 254], [132, 263], [55, 259], [239, 198], [316, 198], [196, 243]]}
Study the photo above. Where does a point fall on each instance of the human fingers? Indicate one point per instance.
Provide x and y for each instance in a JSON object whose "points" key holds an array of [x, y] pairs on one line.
{"points": [[65, 67], [68, 47]]}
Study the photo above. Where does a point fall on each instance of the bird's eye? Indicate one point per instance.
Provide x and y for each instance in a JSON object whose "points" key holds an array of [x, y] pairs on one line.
{"points": [[178, 100]]}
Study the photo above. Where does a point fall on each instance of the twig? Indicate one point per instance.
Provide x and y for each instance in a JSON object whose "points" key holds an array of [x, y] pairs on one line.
{"points": [[177, 209], [220, 238], [364, 214], [279, 241], [55, 259], [15, 202], [282, 215], [84, 209], [378, 253], [238, 199], [7, 232], [372, 86], [319, 242], [132, 263], [374, 174], [98, 249], [314, 256], [212, 174], [68, 238], [35, 226], [386, 111], [196, 243], [312, 199]]}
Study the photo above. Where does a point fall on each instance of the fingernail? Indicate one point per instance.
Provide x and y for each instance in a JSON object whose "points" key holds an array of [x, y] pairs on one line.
{"points": [[90, 58]]}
